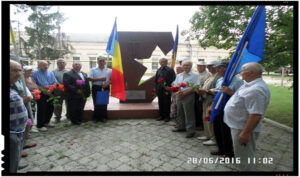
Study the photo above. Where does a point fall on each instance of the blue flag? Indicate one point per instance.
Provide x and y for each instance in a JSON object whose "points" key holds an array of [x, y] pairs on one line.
{"points": [[249, 49], [111, 41], [174, 53]]}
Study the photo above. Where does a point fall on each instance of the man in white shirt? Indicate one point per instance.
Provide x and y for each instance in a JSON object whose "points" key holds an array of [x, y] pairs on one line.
{"points": [[185, 99], [243, 114], [101, 79]]}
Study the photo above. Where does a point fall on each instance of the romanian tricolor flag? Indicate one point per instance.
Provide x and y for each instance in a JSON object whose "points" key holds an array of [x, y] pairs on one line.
{"points": [[172, 64], [11, 35], [117, 76]]}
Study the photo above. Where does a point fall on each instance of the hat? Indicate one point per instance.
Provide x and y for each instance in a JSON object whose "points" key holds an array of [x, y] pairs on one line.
{"points": [[201, 63], [213, 62], [222, 64], [182, 59], [101, 58], [26, 68]]}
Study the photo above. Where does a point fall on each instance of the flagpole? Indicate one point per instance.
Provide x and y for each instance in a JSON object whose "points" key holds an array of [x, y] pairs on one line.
{"points": [[232, 74], [22, 80]]}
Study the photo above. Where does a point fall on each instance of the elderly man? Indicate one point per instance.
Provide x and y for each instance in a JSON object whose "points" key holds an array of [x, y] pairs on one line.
{"points": [[43, 78], [186, 99], [207, 99], [173, 111], [162, 89], [244, 111], [101, 79], [203, 76], [18, 118], [221, 130], [76, 93], [58, 73]]}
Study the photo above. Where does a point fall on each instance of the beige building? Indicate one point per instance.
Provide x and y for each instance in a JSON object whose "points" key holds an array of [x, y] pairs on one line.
{"points": [[86, 47]]}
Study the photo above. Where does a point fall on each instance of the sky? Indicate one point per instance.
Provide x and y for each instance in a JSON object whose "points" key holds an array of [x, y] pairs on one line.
{"points": [[100, 19]]}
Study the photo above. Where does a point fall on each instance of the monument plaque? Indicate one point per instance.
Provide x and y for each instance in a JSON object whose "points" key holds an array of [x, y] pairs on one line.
{"points": [[135, 94], [140, 45]]}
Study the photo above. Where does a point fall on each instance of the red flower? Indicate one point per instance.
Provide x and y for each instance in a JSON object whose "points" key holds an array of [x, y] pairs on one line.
{"points": [[52, 87], [207, 118], [161, 80], [153, 91], [174, 89], [37, 97], [47, 87], [36, 92], [61, 88], [183, 85]]}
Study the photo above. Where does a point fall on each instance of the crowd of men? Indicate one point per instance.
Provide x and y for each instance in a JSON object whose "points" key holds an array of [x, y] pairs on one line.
{"points": [[77, 90], [234, 131]]}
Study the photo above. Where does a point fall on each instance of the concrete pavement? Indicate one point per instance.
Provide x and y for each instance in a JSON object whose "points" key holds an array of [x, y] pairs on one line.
{"points": [[142, 145]]}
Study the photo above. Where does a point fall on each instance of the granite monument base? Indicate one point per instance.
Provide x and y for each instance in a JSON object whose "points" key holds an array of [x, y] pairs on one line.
{"points": [[117, 110]]}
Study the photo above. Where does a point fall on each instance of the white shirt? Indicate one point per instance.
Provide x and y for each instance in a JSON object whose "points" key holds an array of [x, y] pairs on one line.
{"points": [[191, 77], [203, 77], [98, 73], [250, 98]]}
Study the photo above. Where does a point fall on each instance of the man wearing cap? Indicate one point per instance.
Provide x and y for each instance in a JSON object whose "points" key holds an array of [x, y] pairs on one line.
{"points": [[101, 79], [203, 76], [244, 112], [162, 90], [207, 98], [221, 130], [186, 99], [58, 73], [45, 108]]}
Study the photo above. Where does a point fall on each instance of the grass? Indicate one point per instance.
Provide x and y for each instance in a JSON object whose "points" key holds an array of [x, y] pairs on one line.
{"points": [[280, 108]]}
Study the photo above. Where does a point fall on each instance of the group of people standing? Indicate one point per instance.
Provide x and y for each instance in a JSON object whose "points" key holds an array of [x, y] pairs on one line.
{"points": [[75, 96], [236, 129]]}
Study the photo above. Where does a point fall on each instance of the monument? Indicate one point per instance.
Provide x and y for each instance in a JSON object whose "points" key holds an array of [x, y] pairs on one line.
{"points": [[140, 45], [138, 104]]}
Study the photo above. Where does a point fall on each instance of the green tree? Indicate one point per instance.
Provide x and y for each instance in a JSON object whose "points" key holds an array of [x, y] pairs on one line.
{"points": [[223, 27], [45, 40]]}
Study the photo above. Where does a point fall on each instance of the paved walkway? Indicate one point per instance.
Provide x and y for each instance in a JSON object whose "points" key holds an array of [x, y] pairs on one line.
{"points": [[141, 145]]}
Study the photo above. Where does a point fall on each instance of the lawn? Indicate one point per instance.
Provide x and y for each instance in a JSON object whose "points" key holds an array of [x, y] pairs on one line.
{"points": [[280, 108]]}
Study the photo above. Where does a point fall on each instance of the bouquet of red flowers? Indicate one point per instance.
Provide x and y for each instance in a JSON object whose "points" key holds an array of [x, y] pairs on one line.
{"points": [[154, 93], [36, 94], [174, 89], [162, 82], [50, 91]]}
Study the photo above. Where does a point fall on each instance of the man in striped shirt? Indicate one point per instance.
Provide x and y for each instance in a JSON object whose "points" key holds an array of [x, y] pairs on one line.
{"points": [[18, 119]]}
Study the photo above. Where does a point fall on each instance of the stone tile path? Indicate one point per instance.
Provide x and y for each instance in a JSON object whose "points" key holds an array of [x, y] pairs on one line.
{"points": [[141, 145]]}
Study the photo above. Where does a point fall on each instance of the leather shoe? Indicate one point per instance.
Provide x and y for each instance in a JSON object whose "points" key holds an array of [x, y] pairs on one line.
{"points": [[103, 120], [167, 119], [177, 130], [24, 154], [20, 167], [29, 145], [190, 135], [160, 118], [215, 153]]}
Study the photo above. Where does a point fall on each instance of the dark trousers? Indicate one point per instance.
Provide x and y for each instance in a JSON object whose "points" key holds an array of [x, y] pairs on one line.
{"points": [[44, 111], [223, 136], [100, 111], [198, 111], [75, 108], [16, 142], [164, 104]]}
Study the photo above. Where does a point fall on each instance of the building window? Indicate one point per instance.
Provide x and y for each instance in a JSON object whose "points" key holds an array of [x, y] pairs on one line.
{"points": [[154, 64], [76, 59], [92, 62], [200, 59], [109, 62]]}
